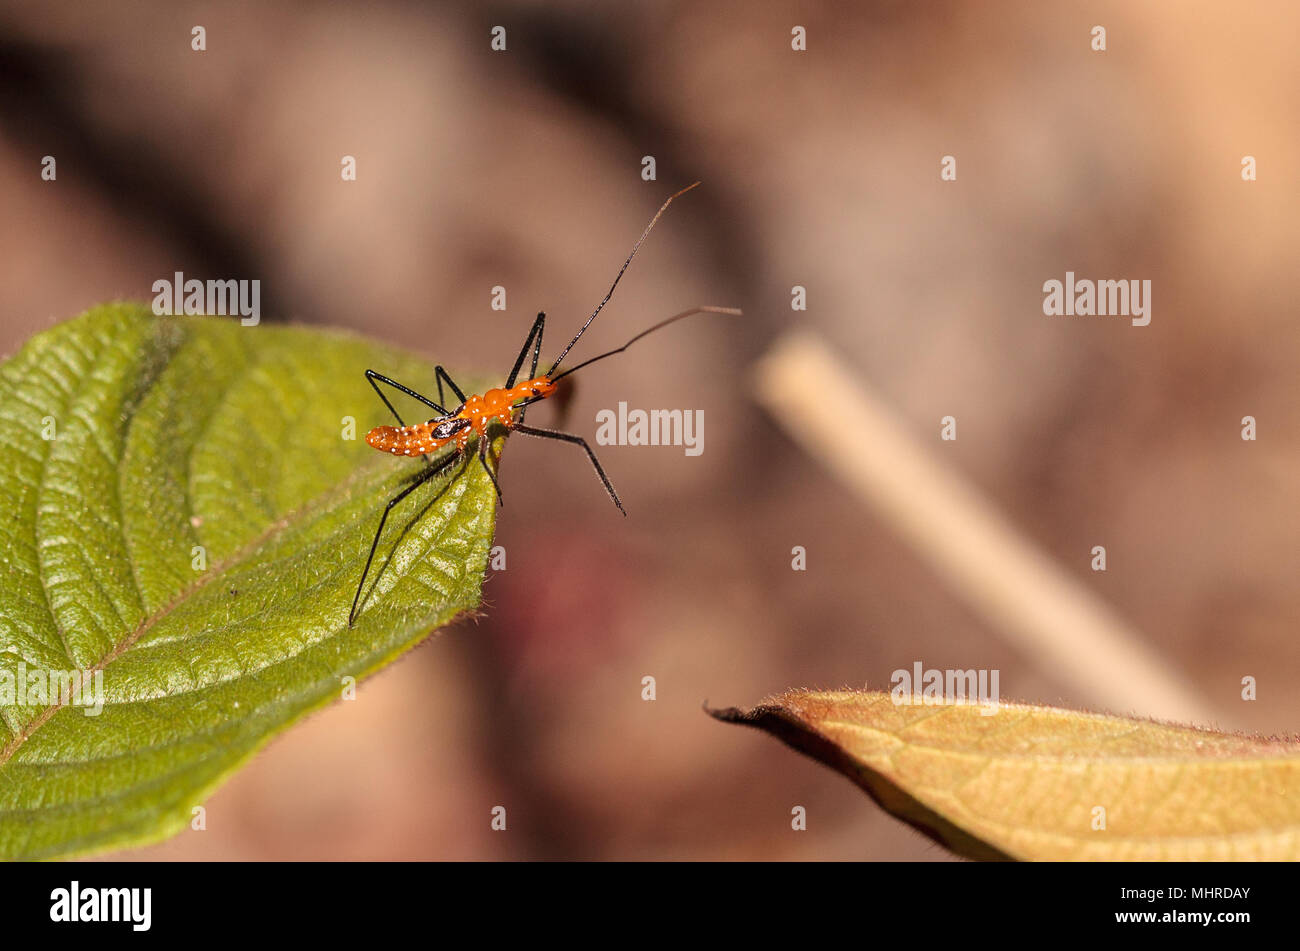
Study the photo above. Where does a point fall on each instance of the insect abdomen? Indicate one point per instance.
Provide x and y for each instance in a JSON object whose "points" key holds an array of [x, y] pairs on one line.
{"points": [[418, 439], [404, 440]]}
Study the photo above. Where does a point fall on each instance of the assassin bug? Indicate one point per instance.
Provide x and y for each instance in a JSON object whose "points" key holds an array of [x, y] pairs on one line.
{"points": [[471, 420]]}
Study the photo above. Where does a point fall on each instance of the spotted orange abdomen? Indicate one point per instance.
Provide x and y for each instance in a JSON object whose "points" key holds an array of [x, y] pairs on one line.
{"points": [[417, 439]]}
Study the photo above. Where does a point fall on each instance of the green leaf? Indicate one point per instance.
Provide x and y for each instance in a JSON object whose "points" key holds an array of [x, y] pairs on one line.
{"points": [[1031, 782], [179, 441]]}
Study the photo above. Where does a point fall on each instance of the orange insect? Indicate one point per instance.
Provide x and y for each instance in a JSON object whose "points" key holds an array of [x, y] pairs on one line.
{"points": [[476, 415]]}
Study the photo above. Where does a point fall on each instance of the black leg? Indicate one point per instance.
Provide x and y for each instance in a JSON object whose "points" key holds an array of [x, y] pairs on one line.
{"points": [[536, 332], [538, 326], [441, 375], [423, 477], [482, 457], [377, 378], [372, 376], [569, 437], [537, 345]]}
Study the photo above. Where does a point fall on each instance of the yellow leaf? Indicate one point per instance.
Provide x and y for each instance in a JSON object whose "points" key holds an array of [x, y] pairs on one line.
{"points": [[1031, 782]]}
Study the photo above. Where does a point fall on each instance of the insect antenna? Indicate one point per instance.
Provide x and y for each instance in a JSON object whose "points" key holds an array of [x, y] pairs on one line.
{"points": [[704, 309], [610, 293]]}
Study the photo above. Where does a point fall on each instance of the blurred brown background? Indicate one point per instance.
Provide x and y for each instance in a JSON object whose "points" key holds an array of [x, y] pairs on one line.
{"points": [[821, 168]]}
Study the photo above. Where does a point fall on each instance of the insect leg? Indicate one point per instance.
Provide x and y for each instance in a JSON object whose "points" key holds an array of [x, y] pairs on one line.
{"points": [[377, 378], [538, 324], [373, 377], [441, 374], [482, 457], [537, 345], [423, 477], [569, 437]]}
